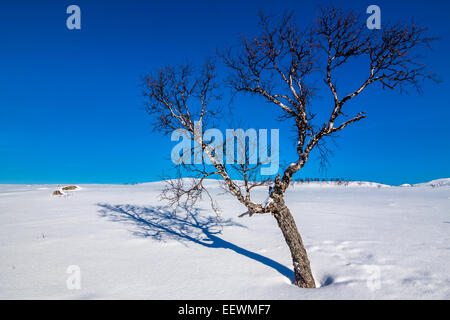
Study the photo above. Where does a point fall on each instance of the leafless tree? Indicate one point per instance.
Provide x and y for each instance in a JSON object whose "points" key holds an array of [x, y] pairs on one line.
{"points": [[280, 66]]}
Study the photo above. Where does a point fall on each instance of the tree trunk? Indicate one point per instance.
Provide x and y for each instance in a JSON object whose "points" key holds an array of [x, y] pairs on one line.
{"points": [[302, 268]]}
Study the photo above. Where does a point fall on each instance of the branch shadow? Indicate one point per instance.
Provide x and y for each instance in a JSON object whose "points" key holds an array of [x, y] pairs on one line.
{"points": [[161, 224]]}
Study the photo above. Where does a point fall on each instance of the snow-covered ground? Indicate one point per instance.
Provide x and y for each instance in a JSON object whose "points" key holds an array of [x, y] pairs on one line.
{"points": [[365, 241]]}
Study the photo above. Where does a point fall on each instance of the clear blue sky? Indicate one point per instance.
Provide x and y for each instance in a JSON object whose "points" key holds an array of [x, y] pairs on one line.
{"points": [[71, 110]]}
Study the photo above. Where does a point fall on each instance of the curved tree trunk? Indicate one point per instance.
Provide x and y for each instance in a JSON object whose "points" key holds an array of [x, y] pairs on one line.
{"points": [[302, 268]]}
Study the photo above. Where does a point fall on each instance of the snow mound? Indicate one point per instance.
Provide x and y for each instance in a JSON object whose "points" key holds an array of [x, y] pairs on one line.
{"points": [[435, 183], [341, 183]]}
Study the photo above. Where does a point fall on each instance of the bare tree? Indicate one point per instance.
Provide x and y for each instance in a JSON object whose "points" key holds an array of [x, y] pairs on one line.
{"points": [[280, 66]]}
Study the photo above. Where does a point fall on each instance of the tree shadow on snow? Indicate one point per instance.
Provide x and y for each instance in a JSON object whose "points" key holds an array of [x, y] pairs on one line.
{"points": [[161, 224]]}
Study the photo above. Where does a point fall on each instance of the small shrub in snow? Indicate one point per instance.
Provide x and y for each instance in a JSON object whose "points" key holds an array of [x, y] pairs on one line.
{"points": [[69, 188]]}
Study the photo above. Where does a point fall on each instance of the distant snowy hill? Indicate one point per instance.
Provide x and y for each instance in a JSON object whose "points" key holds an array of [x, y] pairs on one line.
{"points": [[341, 183], [364, 240], [435, 183]]}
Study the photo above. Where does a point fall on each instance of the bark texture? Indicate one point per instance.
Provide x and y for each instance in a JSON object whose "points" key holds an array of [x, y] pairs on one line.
{"points": [[302, 268]]}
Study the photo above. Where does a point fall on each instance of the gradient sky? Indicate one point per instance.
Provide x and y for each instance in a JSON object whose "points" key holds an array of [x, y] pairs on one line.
{"points": [[71, 110]]}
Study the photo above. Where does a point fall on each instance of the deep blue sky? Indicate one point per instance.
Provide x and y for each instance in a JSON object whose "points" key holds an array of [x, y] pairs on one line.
{"points": [[71, 110]]}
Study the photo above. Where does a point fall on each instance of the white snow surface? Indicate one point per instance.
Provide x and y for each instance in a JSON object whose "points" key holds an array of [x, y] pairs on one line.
{"points": [[364, 242]]}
